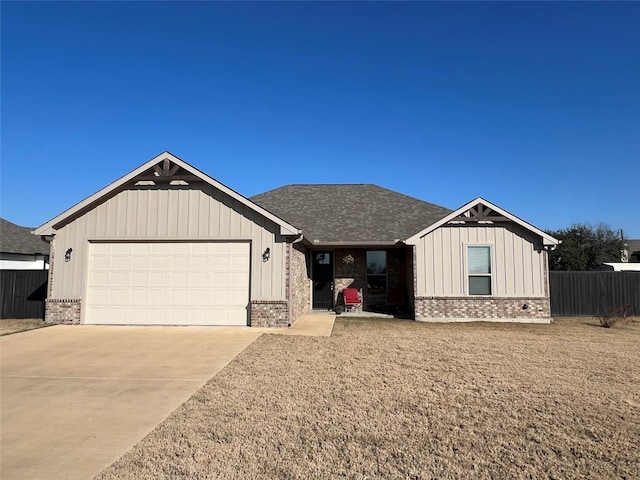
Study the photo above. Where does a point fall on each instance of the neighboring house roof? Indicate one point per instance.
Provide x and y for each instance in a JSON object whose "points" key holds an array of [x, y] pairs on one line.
{"points": [[164, 167], [19, 240], [633, 246], [623, 267], [350, 214], [481, 210]]}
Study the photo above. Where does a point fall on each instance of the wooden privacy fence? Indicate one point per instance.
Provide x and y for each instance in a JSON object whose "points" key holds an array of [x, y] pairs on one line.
{"points": [[23, 293], [592, 293]]}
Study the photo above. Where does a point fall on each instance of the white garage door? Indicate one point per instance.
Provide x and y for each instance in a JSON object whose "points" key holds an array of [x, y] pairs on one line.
{"points": [[167, 283]]}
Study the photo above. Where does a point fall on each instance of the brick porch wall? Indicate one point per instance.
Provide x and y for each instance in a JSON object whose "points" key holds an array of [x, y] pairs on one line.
{"points": [[62, 311], [351, 271], [269, 313], [490, 308], [300, 289]]}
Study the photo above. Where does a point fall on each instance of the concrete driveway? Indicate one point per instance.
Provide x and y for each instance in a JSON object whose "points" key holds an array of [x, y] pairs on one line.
{"points": [[75, 398]]}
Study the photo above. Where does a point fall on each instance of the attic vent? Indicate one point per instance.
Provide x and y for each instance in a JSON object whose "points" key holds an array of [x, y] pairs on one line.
{"points": [[479, 214], [166, 172]]}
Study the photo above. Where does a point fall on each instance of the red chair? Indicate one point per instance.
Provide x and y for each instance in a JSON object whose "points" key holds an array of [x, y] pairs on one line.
{"points": [[352, 297]]}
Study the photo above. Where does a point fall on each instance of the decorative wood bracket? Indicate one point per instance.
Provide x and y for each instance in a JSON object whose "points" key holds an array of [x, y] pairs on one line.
{"points": [[479, 214], [167, 172]]}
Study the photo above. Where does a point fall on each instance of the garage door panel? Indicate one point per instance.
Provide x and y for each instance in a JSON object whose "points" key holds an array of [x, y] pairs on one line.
{"points": [[239, 262], [120, 262], [120, 296], [179, 279], [99, 278], [141, 295], [199, 298], [238, 279], [199, 278], [120, 278], [141, 262], [165, 283], [158, 278], [140, 278]]}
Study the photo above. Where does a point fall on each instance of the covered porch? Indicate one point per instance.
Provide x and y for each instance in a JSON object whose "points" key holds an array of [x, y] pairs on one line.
{"points": [[384, 276]]}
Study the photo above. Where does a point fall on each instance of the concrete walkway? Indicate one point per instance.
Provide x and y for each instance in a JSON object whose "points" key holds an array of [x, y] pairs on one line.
{"points": [[311, 325], [76, 398]]}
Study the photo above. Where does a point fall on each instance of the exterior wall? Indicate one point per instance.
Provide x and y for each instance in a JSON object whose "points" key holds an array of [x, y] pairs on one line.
{"points": [[518, 261], [520, 285], [195, 212], [62, 311], [478, 308], [269, 314], [300, 284]]}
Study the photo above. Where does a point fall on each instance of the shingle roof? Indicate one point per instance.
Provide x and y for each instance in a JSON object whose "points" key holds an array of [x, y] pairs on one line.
{"points": [[17, 239], [359, 214]]}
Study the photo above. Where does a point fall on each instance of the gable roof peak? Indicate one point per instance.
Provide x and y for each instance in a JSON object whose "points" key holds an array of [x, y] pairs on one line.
{"points": [[165, 167], [483, 211]]}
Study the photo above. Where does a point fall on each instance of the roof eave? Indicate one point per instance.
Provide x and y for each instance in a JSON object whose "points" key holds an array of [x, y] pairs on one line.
{"points": [[382, 243]]}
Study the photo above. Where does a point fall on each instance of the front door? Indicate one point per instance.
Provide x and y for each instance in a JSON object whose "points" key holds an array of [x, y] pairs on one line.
{"points": [[322, 272]]}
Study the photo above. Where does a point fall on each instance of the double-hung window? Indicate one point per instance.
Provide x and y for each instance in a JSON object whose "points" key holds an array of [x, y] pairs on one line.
{"points": [[479, 269]]}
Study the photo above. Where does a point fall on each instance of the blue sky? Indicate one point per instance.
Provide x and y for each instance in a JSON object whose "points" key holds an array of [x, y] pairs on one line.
{"points": [[534, 106]]}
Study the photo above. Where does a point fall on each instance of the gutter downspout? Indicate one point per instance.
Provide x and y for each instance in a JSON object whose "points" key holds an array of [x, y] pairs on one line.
{"points": [[290, 292]]}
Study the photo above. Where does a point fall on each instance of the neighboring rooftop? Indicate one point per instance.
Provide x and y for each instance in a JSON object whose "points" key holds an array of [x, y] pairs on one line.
{"points": [[20, 240], [633, 249], [357, 213]]}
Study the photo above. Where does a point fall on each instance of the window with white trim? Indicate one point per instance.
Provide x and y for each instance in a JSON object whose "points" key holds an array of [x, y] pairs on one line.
{"points": [[479, 269]]}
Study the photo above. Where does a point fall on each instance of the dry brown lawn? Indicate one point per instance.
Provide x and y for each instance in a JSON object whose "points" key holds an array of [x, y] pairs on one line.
{"points": [[8, 326], [392, 399]]}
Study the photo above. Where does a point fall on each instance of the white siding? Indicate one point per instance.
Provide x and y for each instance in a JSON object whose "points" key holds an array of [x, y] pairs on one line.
{"points": [[170, 213], [517, 260]]}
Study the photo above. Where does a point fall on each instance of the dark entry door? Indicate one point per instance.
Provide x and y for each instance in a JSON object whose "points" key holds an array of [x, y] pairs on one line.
{"points": [[322, 279]]}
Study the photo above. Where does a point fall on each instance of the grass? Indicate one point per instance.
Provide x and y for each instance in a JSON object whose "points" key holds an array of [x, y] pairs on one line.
{"points": [[405, 400], [9, 326]]}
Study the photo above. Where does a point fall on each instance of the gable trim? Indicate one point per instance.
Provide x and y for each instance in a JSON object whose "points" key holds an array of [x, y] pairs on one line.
{"points": [[547, 239], [47, 228]]}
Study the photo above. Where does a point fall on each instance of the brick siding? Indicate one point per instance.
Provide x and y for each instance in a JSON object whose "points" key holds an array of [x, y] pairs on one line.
{"points": [[269, 313], [62, 311], [299, 277], [490, 308]]}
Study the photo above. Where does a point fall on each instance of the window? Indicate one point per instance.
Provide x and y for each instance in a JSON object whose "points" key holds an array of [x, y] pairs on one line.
{"points": [[479, 269], [377, 272], [323, 258]]}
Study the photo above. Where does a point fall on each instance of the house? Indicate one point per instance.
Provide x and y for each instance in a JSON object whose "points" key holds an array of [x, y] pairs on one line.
{"points": [[20, 250], [631, 251], [24, 259], [167, 244], [619, 267]]}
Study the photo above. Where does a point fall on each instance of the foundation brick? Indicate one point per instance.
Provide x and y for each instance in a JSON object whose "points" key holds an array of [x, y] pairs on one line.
{"points": [[428, 308], [62, 311], [266, 313]]}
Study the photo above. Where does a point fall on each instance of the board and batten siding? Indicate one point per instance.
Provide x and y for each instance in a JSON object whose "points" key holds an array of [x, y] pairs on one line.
{"points": [[176, 213], [517, 258]]}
